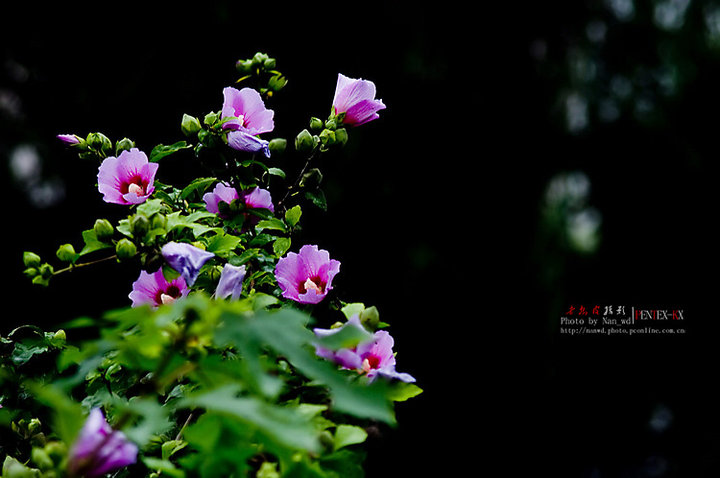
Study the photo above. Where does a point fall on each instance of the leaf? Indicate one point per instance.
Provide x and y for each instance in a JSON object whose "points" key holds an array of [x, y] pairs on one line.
{"points": [[276, 172], [281, 246], [222, 244], [317, 197], [346, 435], [274, 224], [402, 391], [161, 150], [92, 243], [354, 308], [200, 184], [164, 466], [345, 338], [292, 215]]}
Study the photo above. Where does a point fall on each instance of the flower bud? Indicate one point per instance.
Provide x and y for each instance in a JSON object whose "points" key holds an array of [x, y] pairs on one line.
{"points": [[190, 125], [125, 249], [103, 230], [14, 469], [331, 124], [30, 259], [46, 271], [270, 64], [304, 142], [316, 124], [244, 66], [277, 145], [277, 82], [99, 142], [327, 137], [370, 318], [40, 457], [66, 253], [260, 58], [124, 144], [341, 136], [158, 221], [139, 225]]}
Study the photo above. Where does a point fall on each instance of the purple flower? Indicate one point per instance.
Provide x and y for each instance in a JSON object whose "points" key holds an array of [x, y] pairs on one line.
{"points": [[186, 259], [128, 178], [356, 99], [374, 357], [306, 277], [99, 449], [156, 290], [248, 118], [231, 281], [255, 198], [69, 139]]}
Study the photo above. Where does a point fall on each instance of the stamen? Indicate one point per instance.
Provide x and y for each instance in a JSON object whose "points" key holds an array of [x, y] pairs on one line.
{"points": [[167, 299], [311, 285], [136, 189]]}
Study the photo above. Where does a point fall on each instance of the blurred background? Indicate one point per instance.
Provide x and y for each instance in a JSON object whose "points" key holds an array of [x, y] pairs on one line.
{"points": [[532, 157]]}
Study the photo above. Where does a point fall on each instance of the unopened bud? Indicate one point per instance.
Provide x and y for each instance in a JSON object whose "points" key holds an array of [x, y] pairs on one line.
{"points": [[30, 259], [370, 317], [316, 124], [99, 142], [124, 144], [304, 142], [190, 125], [277, 145], [277, 82], [40, 458], [66, 253], [139, 225], [125, 249], [103, 229], [341, 136]]}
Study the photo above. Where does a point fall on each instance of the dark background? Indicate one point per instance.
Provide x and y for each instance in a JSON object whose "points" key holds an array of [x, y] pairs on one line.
{"points": [[439, 210]]}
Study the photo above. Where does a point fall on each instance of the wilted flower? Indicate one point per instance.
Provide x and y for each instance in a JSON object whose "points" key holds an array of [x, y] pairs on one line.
{"points": [[356, 99], [156, 290], [255, 198], [306, 277], [231, 281], [186, 259], [99, 449], [248, 118], [374, 357], [128, 178]]}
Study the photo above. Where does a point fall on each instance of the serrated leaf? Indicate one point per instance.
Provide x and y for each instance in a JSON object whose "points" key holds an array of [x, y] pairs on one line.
{"points": [[281, 246], [92, 243], [273, 224], [221, 244]]}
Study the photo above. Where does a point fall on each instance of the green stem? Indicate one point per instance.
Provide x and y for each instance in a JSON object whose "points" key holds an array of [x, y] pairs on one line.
{"points": [[75, 266]]}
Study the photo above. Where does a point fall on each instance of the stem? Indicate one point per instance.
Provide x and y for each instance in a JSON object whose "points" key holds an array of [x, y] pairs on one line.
{"points": [[75, 266], [296, 184]]}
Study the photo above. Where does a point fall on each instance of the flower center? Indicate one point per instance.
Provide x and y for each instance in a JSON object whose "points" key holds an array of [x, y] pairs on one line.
{"points": [[371, 362], [167, 299], [314, 284], [168, 296], [136, 189]]}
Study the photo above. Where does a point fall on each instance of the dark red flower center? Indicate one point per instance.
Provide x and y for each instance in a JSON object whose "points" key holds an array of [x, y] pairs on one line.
{"points": [[313, 283]]}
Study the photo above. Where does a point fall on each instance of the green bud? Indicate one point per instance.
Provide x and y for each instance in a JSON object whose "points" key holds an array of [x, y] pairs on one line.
{"points": [[125, 249], [304, 142], [34, 426], [211, 118], [260, 58], [159, 221], [30, 259], [100, 142], [66, 253], [59, 337], [370, 317], [327, 137], [316, 124], [311, 179], [30, 272], [190, 125], [46, 271], [277, 82], [270, 64], [56, 449], [244, 66], [341, 136], [103, 230], [277, 145], [124, 144], [40, 457], [331, 124], [139, 225]]}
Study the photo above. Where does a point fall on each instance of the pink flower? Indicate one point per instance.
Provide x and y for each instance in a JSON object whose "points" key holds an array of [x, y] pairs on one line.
{"points": [[99, 449], [374, 357], [355, 99], [155, 290], [248, 118], [128, 178], [306, 277], [255, 198]]}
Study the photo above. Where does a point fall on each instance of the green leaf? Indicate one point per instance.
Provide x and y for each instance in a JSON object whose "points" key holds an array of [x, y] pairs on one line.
{"points": [[273, 224], [150, 207], [276, 172], [346, 435], [354, 308], [292, 215], [161, 150], [317, 197], [402, 391], [281, 246], [92, 243], [199, 184], [222, 244], [345, 338], [164, 466]]}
